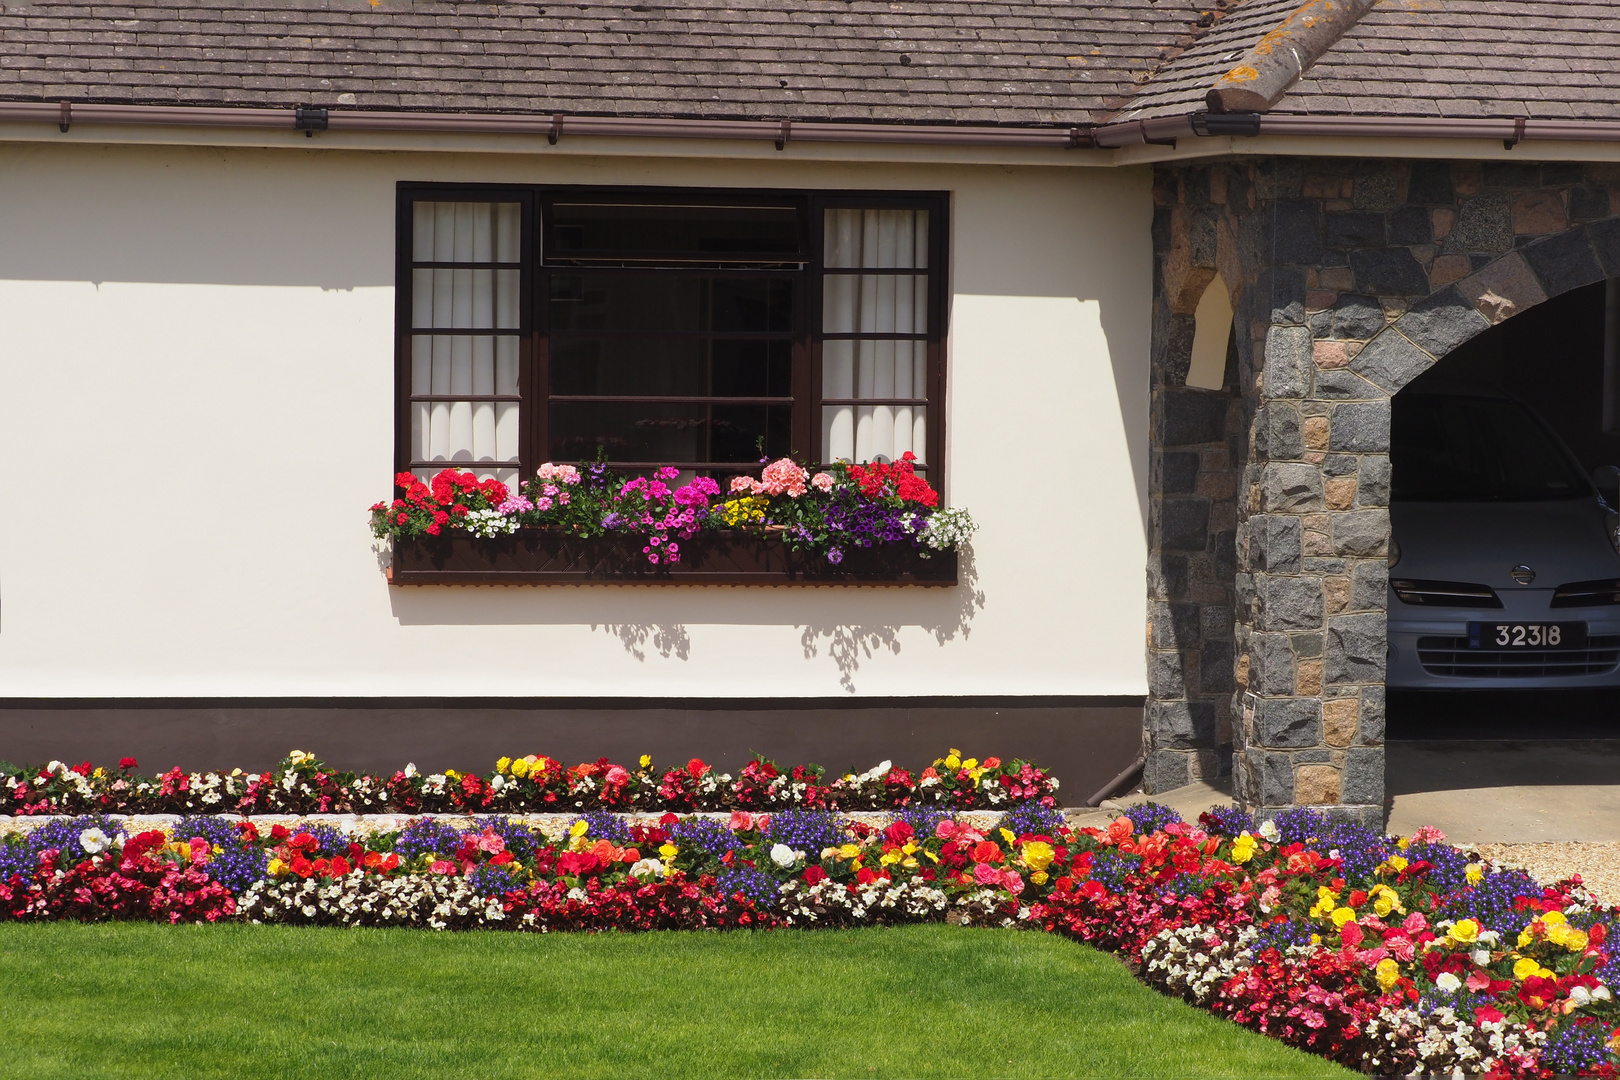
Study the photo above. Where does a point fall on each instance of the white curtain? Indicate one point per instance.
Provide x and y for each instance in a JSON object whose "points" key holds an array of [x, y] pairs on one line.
{"points": [[465, 433], [875, 303]]}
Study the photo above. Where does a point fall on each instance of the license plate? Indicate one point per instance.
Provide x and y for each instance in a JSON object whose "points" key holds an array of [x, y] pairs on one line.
{"points": [[1518, 635]]}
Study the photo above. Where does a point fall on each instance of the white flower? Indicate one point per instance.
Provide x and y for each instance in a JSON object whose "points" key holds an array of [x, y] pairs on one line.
{"points": [[1268, 832], [94, 841], [1580, 995], [1448, 982], [410, 769], [647, 868], [784, 856]]}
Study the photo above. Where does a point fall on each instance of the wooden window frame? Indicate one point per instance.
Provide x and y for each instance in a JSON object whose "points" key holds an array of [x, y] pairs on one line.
{"points": [[534, 356]]}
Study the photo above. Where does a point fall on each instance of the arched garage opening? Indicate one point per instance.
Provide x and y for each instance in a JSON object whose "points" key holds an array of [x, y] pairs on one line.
{"points": [[1504, 605]]}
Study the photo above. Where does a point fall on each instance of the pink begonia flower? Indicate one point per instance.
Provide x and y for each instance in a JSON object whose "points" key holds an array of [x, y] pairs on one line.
{"points": [[616, 774], [1428, 834], [822, 481], [763, 823], [741, 821], [1370, 957], [985, 874], [1350, 934], [1400, 947], [1270, 896], [491, 841], [1012, 882], [1478, 980], [1415, 923], [443, 866], [945, 829]]}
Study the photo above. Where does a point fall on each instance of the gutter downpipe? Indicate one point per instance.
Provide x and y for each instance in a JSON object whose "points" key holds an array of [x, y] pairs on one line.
{"points": [[309, 120]]}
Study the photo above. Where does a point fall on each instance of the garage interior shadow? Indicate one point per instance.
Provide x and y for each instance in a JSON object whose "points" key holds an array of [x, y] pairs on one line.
{"points": [[1553, 358]]}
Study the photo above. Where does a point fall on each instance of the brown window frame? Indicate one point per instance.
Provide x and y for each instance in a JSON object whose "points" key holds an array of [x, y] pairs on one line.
{"points": [[534, 334]]}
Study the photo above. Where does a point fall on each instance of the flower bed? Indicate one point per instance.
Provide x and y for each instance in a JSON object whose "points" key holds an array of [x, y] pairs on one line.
{"points": [[1390, 956], [302, 784], [585, 523]]}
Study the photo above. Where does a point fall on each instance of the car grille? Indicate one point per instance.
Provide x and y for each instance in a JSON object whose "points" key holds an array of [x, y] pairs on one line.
{"points": [[1452, 656]]}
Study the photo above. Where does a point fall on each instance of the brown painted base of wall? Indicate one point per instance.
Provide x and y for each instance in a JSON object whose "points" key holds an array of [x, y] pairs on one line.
{"points": [[1083, 741]]}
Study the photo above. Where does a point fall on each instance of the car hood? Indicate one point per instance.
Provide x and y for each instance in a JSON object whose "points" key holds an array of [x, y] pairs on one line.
{"points": [[1562, 541]]}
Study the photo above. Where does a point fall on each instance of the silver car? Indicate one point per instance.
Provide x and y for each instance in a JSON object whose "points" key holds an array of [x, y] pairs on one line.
{"points": [[1505, 564]]}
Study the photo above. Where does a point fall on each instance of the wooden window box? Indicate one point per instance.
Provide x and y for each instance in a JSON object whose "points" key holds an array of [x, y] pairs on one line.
{"points": [[550, 557]]}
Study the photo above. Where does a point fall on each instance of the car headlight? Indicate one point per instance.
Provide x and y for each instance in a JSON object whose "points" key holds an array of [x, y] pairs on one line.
{"points": [[1395, 547]]}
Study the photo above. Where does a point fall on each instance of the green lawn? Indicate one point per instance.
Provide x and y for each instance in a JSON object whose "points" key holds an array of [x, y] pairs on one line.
{"points": [[921, 1001]]}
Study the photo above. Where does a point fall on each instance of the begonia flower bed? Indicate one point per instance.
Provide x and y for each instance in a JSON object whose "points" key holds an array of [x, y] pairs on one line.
{"points": [[1392, 956], [850, 522], [302, 784]]}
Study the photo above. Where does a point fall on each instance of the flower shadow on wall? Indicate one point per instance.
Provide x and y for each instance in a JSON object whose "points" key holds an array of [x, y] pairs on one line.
{"points": [[848, 643], [667, 639]]}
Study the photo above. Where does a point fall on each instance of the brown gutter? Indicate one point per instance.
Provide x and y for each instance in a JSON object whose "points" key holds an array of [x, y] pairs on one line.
{"points": [[1511, 130], [779, 132]]}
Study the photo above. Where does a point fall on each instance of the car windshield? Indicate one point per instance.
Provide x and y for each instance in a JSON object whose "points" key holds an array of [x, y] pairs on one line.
{"points": [[1476, 449]]}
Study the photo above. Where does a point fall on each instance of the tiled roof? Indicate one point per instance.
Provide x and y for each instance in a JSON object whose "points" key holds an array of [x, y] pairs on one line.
{"points": [[1541, 59], [928, 61], [1179, 86]]}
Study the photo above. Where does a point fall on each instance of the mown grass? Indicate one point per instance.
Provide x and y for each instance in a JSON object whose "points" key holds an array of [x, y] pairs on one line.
{"points": [[921, 1001]]}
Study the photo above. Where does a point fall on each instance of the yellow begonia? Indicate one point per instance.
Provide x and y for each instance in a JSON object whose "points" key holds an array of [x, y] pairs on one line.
{"points": [[277, 868], [1465, 931], [1474, 873], [1039, 877], [1386, 900], [520, 768], [1243, 848], [1388, 973], [579, 828], [502, 765], [952, 761], [970, 763], [1326, 901], [1524, 967], [1342, 915], [1037, 855], [890, 858], [1006, 834], [451, 774], [646, 761], [668, 851], [848, 851], [1576, 941]]}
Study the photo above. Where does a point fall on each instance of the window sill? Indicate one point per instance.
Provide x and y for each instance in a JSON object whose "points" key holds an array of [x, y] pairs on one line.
{"points": [[544, 557]]}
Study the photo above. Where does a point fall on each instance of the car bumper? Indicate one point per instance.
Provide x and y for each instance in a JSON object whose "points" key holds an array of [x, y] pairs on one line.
{"points": [[1428, 649]]}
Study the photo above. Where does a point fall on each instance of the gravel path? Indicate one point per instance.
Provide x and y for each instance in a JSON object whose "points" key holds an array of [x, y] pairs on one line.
{"points": [[1598, 864]]}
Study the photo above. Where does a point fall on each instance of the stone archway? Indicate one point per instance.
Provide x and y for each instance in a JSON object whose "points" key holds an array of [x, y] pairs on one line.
{"points": [[1270, 526]]}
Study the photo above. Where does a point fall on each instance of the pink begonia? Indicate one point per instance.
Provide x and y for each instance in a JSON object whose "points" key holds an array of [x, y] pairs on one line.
{"points": [[985, 874], [1428, 834], [1012, 882], [491, 841], [566, 474], [822, 481], [781, 477]]}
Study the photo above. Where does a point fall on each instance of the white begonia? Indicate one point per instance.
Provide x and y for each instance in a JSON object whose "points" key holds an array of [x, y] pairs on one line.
{"points": [[784, 856], [94, 841], [1269, 832], [648, 868], [1448, 982], [1482, 957]]}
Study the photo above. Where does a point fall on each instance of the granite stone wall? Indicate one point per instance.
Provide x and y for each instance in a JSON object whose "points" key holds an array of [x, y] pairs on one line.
{"points": [[1268, 566]]}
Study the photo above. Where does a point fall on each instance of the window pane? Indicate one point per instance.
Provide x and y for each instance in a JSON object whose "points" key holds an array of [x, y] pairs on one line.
{"points": [[466, 232], [767, 233], [874, 304], [448, 364], [671, 302], [876, 239], [461, 433], [670, 432], [682, 366], [880, 369], [874, 432]]}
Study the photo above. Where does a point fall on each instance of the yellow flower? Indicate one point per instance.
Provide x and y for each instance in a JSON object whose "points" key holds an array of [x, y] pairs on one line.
{"points": [[1386, 900], [1316, 939], [890, 858], [970, 763], [910, 848], [1342, 915], [1464, 931], [1388, 973], [1006, 834], [1524, 967], [1474, 873], [1037, 855], [1558, 933], [1039, 877], [1243, 848], [1525, 938], [848, 851], [646, 761], [1397, 863], [503, 764], [952, 761], [1403, 843], [579, 828], [277, 868], [931, 856], [99, 772], [668, 851], [1576, 941], [451, 774], [1553, 918], [520, 768]]}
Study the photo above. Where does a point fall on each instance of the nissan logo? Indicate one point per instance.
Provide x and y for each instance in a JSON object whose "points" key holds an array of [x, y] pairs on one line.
{"points": [[1523, 574]]}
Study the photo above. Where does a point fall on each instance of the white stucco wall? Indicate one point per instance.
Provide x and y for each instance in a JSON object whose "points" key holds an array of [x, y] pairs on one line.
{"points": [[196, 407]]}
